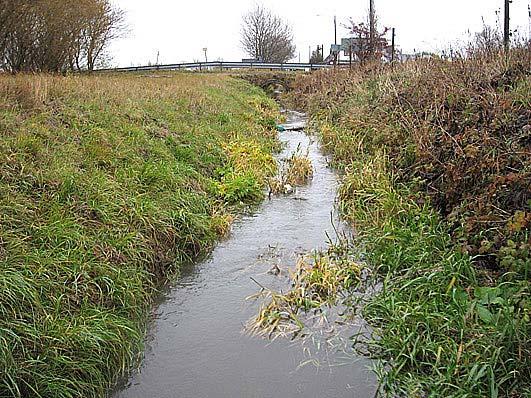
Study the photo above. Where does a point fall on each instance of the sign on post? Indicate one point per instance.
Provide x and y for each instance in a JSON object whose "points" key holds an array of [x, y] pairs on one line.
{"points": [[335, 48], [354, 44]]}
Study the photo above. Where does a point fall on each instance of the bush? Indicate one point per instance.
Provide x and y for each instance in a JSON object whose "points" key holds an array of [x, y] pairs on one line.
{"points": [[458, 131]]}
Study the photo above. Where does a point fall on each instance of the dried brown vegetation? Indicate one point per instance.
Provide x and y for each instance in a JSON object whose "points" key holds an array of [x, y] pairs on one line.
{"points": [[437, 161], [460, 131], [294, 171]]}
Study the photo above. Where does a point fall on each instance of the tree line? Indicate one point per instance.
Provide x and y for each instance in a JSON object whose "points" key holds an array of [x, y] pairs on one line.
{"points": [[268, 38], [56, 35]]}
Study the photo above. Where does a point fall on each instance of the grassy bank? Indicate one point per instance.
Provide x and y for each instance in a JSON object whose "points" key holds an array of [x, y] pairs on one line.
{"points": [[437, 163], [107, 184]]}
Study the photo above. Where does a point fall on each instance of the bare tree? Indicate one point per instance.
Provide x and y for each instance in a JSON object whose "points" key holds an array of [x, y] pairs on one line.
{"points": [[316, 57], [102, 23], [7, 14], [19, 26], [56, 35], [367, 44], [266, 36], [489, 41]]}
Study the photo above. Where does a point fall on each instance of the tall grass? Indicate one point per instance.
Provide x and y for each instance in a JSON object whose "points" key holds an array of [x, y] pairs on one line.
{"points": [[437, 181], [438, 331], [295, 170], [107, 184]]}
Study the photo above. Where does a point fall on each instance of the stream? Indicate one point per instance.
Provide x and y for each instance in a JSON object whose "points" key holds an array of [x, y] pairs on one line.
{"points": [[196, 346]]}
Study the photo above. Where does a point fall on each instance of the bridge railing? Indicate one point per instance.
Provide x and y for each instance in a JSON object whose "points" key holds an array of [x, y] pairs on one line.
{"points": [[221, 65]]}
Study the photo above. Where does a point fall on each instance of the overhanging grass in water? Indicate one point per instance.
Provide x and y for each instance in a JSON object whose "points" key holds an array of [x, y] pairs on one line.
{"points": [[107, 183], [318, 281], [294, 171], [435, 330]]}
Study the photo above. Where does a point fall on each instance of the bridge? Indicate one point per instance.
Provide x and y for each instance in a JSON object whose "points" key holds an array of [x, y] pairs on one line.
{"points": [[221, 65]]}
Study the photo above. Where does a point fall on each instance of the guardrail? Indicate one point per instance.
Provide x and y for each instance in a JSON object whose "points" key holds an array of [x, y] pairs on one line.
{"points": [[221, 65]]}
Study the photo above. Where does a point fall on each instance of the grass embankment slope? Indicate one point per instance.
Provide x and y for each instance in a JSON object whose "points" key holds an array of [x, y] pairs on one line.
{"points": [[437, 156], [108, 183]]}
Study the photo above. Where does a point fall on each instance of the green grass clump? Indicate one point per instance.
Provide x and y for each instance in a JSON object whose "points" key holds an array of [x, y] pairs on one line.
{"points": [[250, 165], [107, 184], [437, 331]]}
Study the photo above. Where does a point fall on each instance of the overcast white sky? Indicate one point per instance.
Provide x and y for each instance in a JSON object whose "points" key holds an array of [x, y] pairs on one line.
{"points": [[180, 29]]}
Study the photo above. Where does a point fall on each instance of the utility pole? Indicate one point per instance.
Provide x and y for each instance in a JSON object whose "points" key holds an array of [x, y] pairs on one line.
{"points": [[529, 19], [335, 29], [205, 51], [158, 53], [393, 47], [507, 25], [372, 25], [335, 41]]}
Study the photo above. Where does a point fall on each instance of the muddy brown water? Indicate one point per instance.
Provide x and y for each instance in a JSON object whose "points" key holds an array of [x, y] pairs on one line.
{"points": [[196, 346]]}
